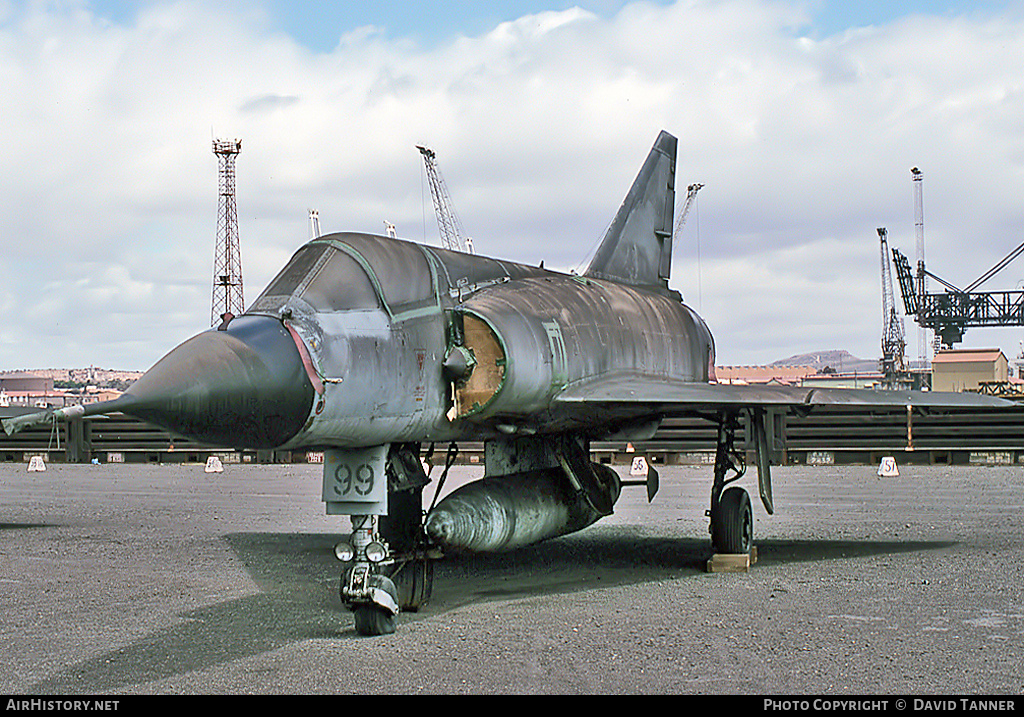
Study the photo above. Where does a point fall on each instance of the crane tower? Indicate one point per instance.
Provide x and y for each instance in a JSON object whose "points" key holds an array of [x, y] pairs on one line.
{"points": [[893, 341], [448, 224], [691, 194], [916, 179], [227, 258]]}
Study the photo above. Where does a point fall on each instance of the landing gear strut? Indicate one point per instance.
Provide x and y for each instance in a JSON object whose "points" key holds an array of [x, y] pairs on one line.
{"points": [[367, 592], [732, 522], [411, 570], [386, 567]]}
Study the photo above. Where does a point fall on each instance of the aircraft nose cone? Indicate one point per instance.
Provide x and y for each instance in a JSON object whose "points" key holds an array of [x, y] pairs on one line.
{"points": [[244, 387]]}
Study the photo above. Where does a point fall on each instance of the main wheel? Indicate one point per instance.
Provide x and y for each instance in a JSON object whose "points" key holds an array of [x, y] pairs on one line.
{"points": [[733, 524], [414, 581]]}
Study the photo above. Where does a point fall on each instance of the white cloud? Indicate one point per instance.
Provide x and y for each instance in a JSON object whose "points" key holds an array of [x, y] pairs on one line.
{"points": [[804, 144]]}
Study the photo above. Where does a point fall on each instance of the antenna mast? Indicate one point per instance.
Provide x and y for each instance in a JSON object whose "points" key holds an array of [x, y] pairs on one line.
{"points": [[227, 259], [314, 223]]}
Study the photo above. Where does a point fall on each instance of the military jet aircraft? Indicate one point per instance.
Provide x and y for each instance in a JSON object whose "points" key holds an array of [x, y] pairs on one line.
{"points": [[370, 348]]}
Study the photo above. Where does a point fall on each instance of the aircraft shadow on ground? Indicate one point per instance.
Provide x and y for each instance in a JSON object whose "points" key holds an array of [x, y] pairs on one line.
{"points": [[21, 526], [298, 579]]}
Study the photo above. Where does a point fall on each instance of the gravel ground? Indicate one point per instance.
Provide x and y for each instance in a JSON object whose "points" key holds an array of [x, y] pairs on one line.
{"points": [[165, 579]]}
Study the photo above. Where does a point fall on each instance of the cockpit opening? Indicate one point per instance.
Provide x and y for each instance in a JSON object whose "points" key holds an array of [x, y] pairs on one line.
{"points": [[324, 277]]}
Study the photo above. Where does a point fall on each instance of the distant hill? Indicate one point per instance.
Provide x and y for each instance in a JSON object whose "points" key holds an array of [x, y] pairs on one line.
{"points": [[840, 360]]}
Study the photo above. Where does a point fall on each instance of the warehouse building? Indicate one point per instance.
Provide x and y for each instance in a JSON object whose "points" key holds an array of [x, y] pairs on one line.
{"points": [[967, 369]]}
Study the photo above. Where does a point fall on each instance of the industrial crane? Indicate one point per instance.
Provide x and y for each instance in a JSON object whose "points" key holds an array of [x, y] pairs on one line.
{"points": [[950, 313], [691, 194], [894, 343], [448, 224]]}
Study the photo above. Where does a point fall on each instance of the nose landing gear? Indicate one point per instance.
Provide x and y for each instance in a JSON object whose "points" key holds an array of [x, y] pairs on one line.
{"points": [[365, 590], [387, 568]]}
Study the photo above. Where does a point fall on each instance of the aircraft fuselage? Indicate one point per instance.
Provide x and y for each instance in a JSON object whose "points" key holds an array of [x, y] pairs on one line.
{"points": [[452, 346]]}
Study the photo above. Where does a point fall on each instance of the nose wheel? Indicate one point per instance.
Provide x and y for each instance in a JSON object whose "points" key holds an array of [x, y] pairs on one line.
{"points": [[387, 568], [365, 589], [377, 616]]}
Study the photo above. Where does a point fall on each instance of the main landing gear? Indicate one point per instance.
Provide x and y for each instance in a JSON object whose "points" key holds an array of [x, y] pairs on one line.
{"points": [[731, 517]]}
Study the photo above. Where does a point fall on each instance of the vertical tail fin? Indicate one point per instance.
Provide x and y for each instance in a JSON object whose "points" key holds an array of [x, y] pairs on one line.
{"points": [[637, 249]]}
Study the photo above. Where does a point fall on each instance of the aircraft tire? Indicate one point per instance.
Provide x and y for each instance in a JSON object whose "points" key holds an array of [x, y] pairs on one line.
{"points": [[372, 621], [734, 524], [414, 581]]}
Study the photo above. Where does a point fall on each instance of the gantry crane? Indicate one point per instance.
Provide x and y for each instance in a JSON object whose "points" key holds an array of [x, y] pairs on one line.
{"points": [[950, 313], [448, 224]]}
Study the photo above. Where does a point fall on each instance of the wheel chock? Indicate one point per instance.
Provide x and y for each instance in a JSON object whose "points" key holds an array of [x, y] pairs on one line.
{"points": [[732, 562]]}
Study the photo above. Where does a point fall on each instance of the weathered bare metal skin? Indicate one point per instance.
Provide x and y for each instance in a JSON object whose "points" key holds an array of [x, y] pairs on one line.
{"points": [[513, 511], [562, 330], [637, 248]]}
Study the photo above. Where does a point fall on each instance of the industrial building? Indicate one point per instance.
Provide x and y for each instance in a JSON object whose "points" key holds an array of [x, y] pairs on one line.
{"points": [[968, 369], [23, 382], [766, 375], [37, 390]]}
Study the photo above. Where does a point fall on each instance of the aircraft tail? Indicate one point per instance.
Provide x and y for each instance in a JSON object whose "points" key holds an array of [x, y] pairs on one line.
{"points": [[637, 249]]}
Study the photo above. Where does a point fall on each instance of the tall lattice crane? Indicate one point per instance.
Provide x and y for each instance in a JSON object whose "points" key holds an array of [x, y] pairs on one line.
{"points": [[894, 343], [448, 224], [691, 194]]}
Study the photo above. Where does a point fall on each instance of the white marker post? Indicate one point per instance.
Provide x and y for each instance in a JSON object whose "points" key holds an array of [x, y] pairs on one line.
{"points": [[638, 467], [887, 467]]}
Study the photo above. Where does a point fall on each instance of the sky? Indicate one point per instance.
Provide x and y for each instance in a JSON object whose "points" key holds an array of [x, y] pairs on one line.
{"points": [[801, 119]]}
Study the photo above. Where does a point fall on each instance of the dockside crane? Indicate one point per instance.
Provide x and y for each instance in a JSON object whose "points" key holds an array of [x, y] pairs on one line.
{"points": [[952, 312], [691, 194], [917, 177], [448, 224], [894, 343]]}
